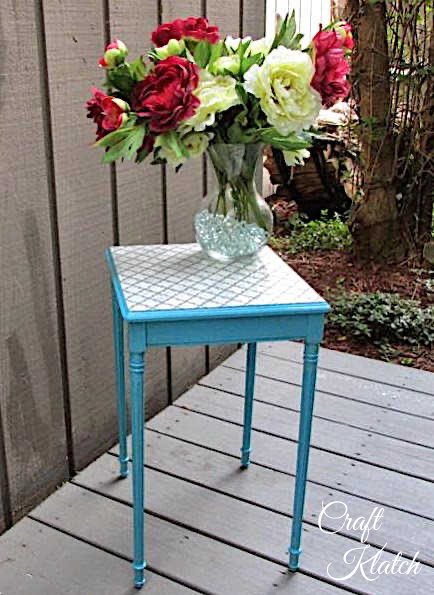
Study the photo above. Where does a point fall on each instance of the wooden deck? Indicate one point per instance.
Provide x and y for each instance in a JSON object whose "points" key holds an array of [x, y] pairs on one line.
{"points": [[214, 529]]}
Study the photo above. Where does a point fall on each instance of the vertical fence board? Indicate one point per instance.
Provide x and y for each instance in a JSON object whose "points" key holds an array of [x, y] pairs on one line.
{"points": [[284, 6], [75, 40], [253, 24], [326, 15], [253, 18], [33, 431], [184, 192], [305, 16], [139, 186], [270, 18], [226, 15], [309, 14], [88, 203]]}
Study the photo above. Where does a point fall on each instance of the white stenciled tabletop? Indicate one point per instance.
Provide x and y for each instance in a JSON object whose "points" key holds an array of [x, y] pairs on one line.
{"points": [[181, 277]]}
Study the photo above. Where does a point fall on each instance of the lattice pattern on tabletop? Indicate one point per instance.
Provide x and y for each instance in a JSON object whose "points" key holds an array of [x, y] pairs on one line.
{"points": [[180, 276]]}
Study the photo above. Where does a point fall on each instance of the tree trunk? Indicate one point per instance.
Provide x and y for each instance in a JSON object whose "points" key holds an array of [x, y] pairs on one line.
{"points": [[426, 195], [338, 9], [375, 226]]}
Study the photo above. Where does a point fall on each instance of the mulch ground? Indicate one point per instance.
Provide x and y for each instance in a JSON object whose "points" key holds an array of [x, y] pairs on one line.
{"points": [[328, 270]]}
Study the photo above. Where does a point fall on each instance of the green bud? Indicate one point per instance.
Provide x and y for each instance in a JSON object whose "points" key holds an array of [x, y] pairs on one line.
{"points": [[111, 58], [175, 47], [229, 63]]}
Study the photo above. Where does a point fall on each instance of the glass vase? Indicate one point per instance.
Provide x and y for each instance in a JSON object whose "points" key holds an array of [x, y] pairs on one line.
{"points": [[234, 221]]}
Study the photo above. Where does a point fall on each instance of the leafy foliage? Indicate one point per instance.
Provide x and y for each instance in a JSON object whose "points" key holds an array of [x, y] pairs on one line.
{"points": [[236, 117], [125, 76], [287, 34], [382, 318], [122, 143], [306, 236]]}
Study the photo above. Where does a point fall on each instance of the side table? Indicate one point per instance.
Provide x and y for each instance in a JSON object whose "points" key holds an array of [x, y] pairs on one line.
{"points": [[172, 295]]}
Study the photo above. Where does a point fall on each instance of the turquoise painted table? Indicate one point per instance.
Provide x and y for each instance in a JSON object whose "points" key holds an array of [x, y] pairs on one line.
{"points": [[173, 295]]}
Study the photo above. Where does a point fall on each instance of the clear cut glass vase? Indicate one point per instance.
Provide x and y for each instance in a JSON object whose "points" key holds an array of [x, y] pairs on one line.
{"points": [[233, 221]]}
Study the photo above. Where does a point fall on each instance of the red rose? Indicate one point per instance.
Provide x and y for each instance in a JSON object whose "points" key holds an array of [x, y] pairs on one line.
{"points": [[164, 33], [107, 112], [331, 67], [200, 30], [165, 96], [114, 113], [196, 28], [96, 110]]}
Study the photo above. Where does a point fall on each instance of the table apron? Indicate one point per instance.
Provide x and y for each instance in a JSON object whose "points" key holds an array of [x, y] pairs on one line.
{"points": [[227, 330]]}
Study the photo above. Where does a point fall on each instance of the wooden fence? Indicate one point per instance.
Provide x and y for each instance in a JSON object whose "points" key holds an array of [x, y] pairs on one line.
{"points": [[60, 209], [308, 13]]}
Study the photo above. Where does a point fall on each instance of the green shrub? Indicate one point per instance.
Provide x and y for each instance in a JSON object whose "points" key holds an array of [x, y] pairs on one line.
{"points": [[321, 234], [382, 318]]}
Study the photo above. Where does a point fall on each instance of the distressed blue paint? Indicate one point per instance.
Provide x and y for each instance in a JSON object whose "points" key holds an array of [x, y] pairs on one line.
{"points": [[137, 368], [118, 340], [248, 404], [304, 432], [248, 324]]}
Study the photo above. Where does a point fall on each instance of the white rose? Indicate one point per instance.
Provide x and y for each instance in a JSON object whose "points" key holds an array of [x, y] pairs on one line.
{"points": [[282, 85]]}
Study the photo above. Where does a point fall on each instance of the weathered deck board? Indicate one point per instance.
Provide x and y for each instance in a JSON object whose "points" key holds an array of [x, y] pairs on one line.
{"points": [[351, 387], [207, 564], [356, 365], [403, 530], [31, 555], [335, 471], [361, 445], [373, 418], [257, 530], [214, 529]]}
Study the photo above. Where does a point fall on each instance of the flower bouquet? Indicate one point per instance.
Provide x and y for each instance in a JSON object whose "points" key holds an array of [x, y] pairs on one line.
{"points": [[228, 97]]}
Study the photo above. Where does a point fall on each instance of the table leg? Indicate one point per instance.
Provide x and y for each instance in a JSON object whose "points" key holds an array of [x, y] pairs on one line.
{"points": [[137, 369], [307, 399], [118, 337], [248, 404]]}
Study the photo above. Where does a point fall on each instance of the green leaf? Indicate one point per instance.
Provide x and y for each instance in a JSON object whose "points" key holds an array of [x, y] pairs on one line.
{"points": [[217, 50], [290, 30], [141, 155], [241, 92], [242, 48], [123, 143], [202, 53], [113, 137], [256, 114], [295, 43], [270, 136], [290, 39], [188, 54], [280, 33], [248, 62], [121, 78], [174, 142], [138, 69]]}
